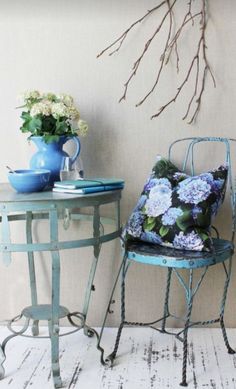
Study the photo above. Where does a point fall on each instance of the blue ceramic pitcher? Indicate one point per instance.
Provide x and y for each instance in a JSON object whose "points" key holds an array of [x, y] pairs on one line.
{"points": [[51, 155]]}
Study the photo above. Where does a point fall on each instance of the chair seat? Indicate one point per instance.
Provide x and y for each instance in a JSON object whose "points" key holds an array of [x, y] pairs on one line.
{"points": [[164, 256]]}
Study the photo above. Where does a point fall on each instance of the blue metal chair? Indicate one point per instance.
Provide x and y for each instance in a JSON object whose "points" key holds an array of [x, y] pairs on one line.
{"points": [[174, 260]]}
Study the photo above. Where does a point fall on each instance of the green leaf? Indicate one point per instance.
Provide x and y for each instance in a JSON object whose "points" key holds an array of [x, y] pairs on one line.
{"points": [[204, 220], [203, 235], [25, 116], [35, 124], [164, 168], [61, 127], [149, 224], [24, 128], [184, 221], [48, 125], [163, 231]]}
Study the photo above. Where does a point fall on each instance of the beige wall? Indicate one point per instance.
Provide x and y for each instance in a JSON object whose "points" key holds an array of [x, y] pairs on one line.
{"points": [[52, 46]]}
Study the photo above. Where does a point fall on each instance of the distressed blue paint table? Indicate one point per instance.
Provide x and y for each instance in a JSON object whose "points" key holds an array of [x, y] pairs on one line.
{"points": [[53, 207]]}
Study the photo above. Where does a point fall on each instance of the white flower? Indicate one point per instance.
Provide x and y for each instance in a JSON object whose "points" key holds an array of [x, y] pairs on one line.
{"points": [[161, 189], [31, 95], [159, 200], [83, 127], [73, 113], [66, 99], [158, 205], [41, 108], [191, 241], [59, 110], [49, 96]]}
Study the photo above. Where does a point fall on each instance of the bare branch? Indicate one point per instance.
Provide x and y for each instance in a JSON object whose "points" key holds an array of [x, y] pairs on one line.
{"points": [[178, 90], [179, 31], [196, 58], [198, 101], [198, 67], [162, 57], [195, 90], [121, 39], [146, 47]]}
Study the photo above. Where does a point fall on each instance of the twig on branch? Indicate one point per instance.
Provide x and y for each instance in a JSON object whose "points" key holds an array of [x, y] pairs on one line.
{"points": [[162, 56], [146, 47], [123, 36], [199, 66]]}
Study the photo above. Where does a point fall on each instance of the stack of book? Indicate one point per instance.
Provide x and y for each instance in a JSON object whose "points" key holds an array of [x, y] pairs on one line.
{"points": [[90, 185]]}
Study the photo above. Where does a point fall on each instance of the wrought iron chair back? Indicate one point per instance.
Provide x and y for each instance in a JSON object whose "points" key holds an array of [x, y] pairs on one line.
{"points": [[188, 161], [174, 260]]}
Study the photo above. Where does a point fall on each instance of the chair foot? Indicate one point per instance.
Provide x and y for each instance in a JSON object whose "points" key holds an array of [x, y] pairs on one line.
{"points": [[163, 331], [183, 383], [113, 354], [56, 375], [57, 380], [225, 337], [88, 332], [109, 361]]}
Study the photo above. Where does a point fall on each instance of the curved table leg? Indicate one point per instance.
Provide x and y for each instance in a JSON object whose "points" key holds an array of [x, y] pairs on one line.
{"points": [[2, 360], [4, 343]]}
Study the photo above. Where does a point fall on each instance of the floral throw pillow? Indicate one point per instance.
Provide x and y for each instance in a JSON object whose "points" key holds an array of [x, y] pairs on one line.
{"points": [[175, 210]]}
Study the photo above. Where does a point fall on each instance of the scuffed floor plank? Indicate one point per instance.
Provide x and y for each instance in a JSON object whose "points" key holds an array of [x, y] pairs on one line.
{"points": [[146, 359]]}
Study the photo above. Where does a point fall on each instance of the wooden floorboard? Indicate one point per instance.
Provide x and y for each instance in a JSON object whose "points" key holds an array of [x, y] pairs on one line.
{"points": [[146, 360]]}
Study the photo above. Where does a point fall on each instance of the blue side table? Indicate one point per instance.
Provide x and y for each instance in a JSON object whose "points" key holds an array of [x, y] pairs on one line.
{"points": [[53, 206]]}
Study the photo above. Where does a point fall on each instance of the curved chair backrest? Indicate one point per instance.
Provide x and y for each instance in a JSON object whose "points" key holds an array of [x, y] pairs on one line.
{"points": [[189, 161]]}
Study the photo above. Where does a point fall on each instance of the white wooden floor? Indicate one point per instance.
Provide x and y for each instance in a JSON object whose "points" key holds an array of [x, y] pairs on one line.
{"points": [[146, 359]]}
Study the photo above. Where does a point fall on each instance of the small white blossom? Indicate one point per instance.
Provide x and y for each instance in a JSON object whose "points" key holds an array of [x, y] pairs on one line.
{"points": [[49, 96], [41, 108], [83, 127], [73, 113], [59, 110], [66, 99], [31, 95]]}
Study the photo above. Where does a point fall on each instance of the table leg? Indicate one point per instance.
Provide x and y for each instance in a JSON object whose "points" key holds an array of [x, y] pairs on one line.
{"points": [[33, 288], [96, 251], [54, 322]]}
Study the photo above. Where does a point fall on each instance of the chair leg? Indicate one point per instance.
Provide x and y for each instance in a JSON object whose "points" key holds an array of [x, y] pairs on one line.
{"points": [[189, 298], [185, 346], [225, 337], [114, 352], [166, 304], [222, 310]]}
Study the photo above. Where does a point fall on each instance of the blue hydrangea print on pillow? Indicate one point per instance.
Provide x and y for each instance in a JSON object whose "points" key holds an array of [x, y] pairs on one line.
{"points": [[175, 210]]}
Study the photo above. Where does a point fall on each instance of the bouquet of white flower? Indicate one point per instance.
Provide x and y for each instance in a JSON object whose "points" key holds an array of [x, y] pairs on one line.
{"points": [[51, 116]]}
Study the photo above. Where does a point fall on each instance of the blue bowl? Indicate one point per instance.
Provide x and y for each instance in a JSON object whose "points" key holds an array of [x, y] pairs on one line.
{"points": [[27, 181]]}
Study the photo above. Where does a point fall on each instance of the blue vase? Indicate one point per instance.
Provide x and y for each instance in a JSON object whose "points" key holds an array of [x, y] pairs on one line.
{"points": [[51, 155]]}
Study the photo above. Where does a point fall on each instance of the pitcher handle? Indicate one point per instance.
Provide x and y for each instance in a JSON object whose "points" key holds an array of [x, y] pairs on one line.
{"points": [[78, 147]]}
